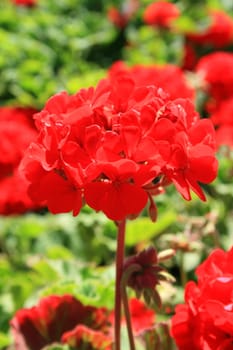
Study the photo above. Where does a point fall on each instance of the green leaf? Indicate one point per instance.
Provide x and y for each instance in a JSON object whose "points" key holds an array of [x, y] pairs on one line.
{"points": [[56, 347], [4, 340], [142, 229], [45, 270]]}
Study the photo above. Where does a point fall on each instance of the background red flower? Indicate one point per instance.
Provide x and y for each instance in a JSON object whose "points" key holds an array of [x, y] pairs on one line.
{"points": [[161, 14], [206, 318]]}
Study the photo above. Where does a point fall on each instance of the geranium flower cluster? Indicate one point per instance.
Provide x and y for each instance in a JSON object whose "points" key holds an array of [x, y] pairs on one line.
{"points": [[218, 34], [205, 321], [115, 146], [216, 69], [17, 131], [161, 14], [64, 319], [28, 3]]}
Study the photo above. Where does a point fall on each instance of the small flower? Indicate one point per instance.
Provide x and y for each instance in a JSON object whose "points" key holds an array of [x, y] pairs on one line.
{"points": [[161, 14]]}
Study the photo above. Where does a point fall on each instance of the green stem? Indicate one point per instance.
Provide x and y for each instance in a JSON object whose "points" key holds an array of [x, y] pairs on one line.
{"points": [[119, 270]]}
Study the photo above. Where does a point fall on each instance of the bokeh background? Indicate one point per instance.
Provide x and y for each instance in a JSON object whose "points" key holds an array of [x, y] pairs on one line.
{"points": [[47, 46]]}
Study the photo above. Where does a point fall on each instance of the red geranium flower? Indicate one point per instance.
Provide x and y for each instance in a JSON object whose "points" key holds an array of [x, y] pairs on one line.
{"points": [[120, 193], [17, 130], [224, 135], [161, 14], [13, 195], [222, 118], [106, 146], [142, 317], [28, 3], [189, 159], [206, 319], [223, 115], [218, 34], [217, 70], [46, 323], [64, 319]]}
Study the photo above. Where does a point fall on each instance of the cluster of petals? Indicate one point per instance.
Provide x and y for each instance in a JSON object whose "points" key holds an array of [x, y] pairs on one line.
{"points": [[64, 319], [205, 321], [53, 319], [217, 71], [28, 3], [218, 34], [17, 131], [222, 118], [158, 75], [161, 14], [111, 146]]}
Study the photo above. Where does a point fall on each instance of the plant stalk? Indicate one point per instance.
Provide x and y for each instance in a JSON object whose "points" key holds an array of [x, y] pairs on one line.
{"points": [[119, 270], [128, 318]]}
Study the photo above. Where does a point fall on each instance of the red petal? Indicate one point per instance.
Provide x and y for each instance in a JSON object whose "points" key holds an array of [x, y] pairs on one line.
{"points": [[116, 200]]}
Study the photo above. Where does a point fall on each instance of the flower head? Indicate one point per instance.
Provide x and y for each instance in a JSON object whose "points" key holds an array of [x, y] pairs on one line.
{"points": [[29, 3], [52, 319], [218, 34], [65, 320], [222, 118], [15, 124], [206, 318], [106, 146], [161, 14], [217, 70]]}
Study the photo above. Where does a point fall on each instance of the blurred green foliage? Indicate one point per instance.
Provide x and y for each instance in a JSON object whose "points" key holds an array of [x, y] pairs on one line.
{"points": [[69, 44]]}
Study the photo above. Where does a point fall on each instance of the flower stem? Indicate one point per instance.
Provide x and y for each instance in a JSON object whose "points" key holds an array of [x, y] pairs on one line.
{"points": [[124, 279], [128, 318], [119, 270]]}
